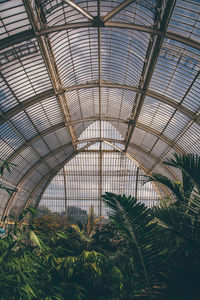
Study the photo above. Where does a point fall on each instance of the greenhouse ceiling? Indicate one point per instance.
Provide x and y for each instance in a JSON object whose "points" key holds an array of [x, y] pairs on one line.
{"points": [[66, 64]]}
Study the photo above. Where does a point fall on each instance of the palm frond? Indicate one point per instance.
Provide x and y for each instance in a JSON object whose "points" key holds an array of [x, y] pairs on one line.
{"points": [[175, 187], [188, 163], [90, 221], [134, 222], [177, 221]]}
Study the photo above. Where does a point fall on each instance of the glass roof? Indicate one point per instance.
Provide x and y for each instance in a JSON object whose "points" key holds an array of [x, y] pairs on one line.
{"points": [[128, 69], [80, 184]]}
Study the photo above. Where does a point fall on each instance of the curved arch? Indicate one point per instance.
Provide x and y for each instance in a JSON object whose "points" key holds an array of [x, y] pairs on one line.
{"points": [[25, 104], [44, 95], [62, 125], [28, 34], [57, 169], [50, 175], [35, 139], [94, 140], [31, 170]]}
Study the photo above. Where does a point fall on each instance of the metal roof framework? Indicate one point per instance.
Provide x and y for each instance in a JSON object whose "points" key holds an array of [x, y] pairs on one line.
{"points": [[67, 64]]}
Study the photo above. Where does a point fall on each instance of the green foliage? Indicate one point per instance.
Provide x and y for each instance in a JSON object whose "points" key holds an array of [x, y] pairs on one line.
{"points": [[92, 223], [189, 165], [56, 266], [181, 224], [76, 215], [141, 254], [4, 165], [136, 225], [174, 186]]}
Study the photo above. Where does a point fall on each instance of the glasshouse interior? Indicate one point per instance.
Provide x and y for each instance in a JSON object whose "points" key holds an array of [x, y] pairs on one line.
{"points": [[100, 149]]}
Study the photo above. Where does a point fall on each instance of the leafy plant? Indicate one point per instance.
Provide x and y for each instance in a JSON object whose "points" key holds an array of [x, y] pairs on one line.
{"points": [[136, 225], [189, 165], [4, 165], [92, 223]]}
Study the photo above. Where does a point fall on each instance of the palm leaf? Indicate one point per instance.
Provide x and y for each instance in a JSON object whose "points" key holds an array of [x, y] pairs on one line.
{"points": [[188, 163], [178, 222], [34, 238], [175, 187], [134, 222], [92, 222]]}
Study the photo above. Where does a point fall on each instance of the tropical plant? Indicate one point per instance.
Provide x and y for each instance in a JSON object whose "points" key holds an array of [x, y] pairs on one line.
{"points": [[189, 165], [135, 224], [181, 223], [4, 165], [92, 222], [39, 261]]}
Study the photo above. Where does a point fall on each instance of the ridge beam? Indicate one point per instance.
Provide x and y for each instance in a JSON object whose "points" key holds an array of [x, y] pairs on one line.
{"points": [[79, 9], [116, 10]]}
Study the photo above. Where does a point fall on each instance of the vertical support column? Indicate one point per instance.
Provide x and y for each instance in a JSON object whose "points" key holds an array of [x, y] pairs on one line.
{"points": [[136, 182], [100, 179], [65, 188], [100, 122]]}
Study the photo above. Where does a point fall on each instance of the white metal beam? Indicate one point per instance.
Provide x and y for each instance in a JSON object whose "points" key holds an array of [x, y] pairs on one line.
{"points": [[18, 38], [44, 95], [79, 9], [152, 55], [117, 9], [93, 119]]}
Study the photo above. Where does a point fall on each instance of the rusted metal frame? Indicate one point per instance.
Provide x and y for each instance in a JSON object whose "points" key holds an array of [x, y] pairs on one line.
{"points": [[48, 56], [147, 72], [28, 173], [117, 9]]}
